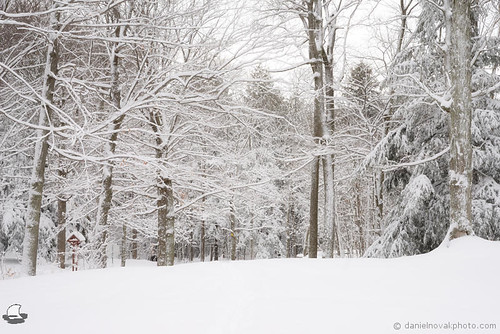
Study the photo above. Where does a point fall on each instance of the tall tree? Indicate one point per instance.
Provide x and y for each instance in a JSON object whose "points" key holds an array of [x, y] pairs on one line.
{"points": [[30, 244], [415, 153], [314, 27], [321, 20], [115, 102], [459, 56]]}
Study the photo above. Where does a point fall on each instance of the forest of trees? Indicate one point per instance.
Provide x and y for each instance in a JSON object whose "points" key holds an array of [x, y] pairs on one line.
{"points": [[196, 130]]}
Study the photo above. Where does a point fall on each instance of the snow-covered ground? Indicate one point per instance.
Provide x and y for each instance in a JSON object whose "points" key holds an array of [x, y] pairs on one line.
{"points": [[456, 286]]}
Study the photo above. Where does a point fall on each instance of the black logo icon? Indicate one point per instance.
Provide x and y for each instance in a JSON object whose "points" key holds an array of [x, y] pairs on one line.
{"points": [[14, 315]]}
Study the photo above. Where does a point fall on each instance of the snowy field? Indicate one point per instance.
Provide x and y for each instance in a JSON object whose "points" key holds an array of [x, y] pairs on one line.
{"points": [[450, 286]]}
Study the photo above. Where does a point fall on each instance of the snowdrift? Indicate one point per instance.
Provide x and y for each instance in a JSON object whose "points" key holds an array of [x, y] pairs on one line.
{"points": [[450, 286]]}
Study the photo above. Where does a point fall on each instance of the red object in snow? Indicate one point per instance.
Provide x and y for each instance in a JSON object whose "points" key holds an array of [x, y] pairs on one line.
{"points": [[74, 240]]}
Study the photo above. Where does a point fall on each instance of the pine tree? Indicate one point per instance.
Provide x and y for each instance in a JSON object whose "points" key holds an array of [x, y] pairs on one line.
{"points": [[418, 145]]}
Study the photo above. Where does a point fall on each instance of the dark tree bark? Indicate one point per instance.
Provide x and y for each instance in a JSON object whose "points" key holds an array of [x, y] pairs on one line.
{"points": [[107, 178], [252, 238], [61, 235], [134, 244], [232, 222], [165, 203], [37, 181], [329, 159], [166, 244], [460, 172], [314, 26], [216, 250], [202, 241], [190, 247], [289, 229], [123, 248], [358, 219], [202, 236], [313, 215]]}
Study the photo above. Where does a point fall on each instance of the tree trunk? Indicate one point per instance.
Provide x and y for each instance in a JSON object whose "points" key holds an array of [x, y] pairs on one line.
{"points": [[306, 243], [166, 220], [190, 247], [202, 229], [252, 238], [165, 203], [329, 186], [107, 179], [61, 235], [37, 181], [162, 225], [329, 159], [314, 38], [379, 198], [313, 214], [216, 250], [402, 30], [123, 248], [61, 223], [359, 219], [170, 224], [460, 55], [202, 241], [232, 227], [134, 244], [289, 229]]}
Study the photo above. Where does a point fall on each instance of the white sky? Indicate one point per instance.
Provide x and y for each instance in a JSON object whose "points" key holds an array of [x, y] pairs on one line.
{"points": [[374, 22]]}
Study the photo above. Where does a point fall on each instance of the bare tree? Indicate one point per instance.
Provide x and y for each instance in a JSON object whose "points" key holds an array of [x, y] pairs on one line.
{"points": [[321, 20], [30, 244], [114, 128]]}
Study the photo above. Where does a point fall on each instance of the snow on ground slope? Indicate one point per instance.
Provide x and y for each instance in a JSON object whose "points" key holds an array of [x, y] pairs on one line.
{"points": [[456, 285]]}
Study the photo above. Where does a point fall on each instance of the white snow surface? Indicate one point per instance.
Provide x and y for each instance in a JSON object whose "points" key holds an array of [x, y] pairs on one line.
{"points": [[458, 284]]}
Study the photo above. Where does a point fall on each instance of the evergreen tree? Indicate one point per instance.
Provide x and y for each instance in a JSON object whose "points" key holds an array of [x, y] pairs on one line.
{"points": [[416, 150]]}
